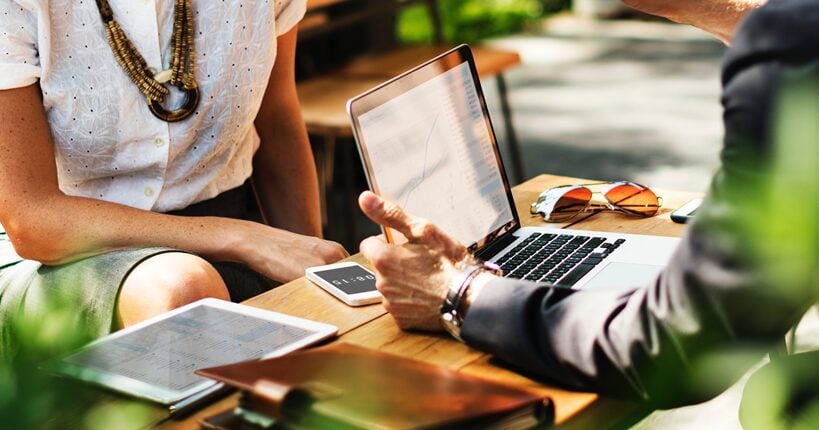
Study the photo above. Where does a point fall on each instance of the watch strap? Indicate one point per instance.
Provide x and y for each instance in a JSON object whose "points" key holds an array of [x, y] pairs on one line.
{"points": [[452, 310]]}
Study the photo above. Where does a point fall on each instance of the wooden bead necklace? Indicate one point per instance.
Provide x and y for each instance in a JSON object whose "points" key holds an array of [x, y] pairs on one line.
{"points": [[182, 71]]}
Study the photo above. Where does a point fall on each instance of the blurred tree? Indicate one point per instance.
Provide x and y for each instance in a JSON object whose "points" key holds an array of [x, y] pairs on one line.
{"points": [[32, 399], [468, 21], [783, 218]]}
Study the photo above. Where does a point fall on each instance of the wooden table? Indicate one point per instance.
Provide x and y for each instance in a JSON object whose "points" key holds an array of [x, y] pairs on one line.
{"points": [[372, 327]]}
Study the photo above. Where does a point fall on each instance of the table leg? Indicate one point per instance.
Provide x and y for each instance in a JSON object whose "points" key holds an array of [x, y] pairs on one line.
{"points": [[325, 165], [511, 137], [435, 19], [350, 197]]}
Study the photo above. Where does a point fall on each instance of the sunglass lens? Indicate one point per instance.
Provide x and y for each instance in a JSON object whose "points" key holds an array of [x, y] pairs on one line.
{"points": [[570, 204], [633, 198]]}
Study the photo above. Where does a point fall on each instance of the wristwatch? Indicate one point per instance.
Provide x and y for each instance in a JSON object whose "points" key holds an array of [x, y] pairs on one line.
{"points": [[453, 309]]}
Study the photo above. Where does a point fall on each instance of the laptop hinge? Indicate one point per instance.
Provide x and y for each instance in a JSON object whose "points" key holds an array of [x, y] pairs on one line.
{"points": [[496, 246]]}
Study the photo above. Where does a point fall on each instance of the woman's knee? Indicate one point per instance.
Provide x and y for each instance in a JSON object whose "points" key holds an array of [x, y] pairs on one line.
{"points": [[167, 281]]}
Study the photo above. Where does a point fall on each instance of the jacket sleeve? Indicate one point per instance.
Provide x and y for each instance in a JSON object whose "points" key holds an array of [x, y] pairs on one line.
{"points": [[678, 340]]}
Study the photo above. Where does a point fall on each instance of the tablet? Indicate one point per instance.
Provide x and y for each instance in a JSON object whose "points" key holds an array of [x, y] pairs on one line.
{"points": [[156, 359]]}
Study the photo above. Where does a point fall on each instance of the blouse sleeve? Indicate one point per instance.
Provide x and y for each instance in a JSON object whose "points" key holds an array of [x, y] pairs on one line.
{"points": [[288, 14], [19, 60]]}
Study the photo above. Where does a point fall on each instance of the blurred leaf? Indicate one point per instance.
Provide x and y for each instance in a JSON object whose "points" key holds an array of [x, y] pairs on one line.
{"points": [[712, 373], [788, 231], [764, 401], [120, 416], [32, 399], [469, 21], [783, 219], [808, 419]]}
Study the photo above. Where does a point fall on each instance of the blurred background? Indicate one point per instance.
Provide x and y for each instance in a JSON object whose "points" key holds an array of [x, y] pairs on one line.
{"points": [[591, 88]]}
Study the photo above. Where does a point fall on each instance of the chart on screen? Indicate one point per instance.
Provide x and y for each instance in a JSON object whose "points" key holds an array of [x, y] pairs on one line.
{"points": [[431, 151]]}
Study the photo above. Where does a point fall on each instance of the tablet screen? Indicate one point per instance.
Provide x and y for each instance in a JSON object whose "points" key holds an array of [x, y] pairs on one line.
{"points": [[165, 353]]}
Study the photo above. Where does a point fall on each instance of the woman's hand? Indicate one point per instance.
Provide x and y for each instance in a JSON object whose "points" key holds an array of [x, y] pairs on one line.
{"points": [[413, 278], [282, 255]]}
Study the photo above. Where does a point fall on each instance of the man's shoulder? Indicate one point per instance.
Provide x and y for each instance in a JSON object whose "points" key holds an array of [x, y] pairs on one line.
{"points": [[781, 31], [780, 25]]}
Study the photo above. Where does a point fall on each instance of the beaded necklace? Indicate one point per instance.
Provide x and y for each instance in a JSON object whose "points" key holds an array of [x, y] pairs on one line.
{"points": [[182, 71]]}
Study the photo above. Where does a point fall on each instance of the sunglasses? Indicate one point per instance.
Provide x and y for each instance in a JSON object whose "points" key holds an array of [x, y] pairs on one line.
{"points": [[565, 202]]}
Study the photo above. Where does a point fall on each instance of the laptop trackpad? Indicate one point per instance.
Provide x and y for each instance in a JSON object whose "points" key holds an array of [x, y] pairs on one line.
{"points": [[624, 275]]}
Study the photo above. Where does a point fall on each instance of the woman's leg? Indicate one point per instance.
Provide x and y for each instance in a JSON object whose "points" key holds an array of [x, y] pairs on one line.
{"points": [[164, 282]]}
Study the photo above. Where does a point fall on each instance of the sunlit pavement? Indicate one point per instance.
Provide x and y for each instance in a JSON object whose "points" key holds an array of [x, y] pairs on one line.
{"points": [[617, 100]]}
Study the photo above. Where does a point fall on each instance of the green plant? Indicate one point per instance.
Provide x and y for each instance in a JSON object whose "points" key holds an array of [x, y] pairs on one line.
{"points": [[782, 218], [469, 21], [30, 398]]}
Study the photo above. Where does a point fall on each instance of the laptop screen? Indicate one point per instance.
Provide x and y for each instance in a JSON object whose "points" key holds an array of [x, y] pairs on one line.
{"points": [[428, 145]]}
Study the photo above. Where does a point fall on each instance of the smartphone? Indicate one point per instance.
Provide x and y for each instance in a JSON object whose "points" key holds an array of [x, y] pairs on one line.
{"points": [[349, 282], [686, 211]]}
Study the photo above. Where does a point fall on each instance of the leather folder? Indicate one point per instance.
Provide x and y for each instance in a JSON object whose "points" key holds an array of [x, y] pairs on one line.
{"points": [[346, 386]]}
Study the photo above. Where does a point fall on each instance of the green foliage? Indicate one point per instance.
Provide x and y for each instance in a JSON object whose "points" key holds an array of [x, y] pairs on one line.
{"points": [[469, 21], [782, 218], [30, 398], [786, 224]]}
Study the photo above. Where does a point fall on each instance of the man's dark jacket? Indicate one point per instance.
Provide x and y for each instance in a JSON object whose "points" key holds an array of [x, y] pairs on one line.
{"points": [[716, 298]]}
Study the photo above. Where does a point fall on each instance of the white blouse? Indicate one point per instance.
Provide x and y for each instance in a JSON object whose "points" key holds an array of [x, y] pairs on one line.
{"points": [[107, 143]]}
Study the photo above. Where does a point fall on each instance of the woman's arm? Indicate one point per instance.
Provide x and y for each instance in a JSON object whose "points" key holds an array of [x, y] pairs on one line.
{"points": [[718, 17], [284, 173], [46, 225]]}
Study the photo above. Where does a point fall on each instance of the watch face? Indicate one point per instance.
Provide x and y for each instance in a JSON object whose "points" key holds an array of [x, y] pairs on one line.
{"points": [[451, 324], [350, 280]]}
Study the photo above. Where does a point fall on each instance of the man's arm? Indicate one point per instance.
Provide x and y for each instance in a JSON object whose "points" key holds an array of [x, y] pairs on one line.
{"points": [[743, 275], [711, 315], [654, 344], [724, 290], [718, 17], [284, 173]]}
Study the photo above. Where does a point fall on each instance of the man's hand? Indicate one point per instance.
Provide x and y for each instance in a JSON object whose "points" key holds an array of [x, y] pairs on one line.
{"points": [[719, 17], [413, 278]]}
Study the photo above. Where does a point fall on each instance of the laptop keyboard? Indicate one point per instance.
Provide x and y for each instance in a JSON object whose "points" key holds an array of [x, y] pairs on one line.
{"points": [[556, 258]]}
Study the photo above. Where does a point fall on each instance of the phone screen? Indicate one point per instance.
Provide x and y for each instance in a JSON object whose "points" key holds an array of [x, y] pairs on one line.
{"points": [[350, 279], [686, 212]]}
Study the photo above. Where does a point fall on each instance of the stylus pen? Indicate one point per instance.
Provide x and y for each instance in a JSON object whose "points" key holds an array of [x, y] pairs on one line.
{"points": [[189, 403]]}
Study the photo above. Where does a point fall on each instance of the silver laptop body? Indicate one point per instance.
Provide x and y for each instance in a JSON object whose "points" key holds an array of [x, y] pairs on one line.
{"points": [[426, 142]]}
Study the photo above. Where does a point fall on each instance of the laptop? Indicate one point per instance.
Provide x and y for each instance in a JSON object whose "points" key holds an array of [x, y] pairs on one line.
{"points": [[427, 143]]}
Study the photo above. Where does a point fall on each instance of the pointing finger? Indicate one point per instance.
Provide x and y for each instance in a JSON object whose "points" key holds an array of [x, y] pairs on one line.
{"points": [[386, 213], [415, 229]]}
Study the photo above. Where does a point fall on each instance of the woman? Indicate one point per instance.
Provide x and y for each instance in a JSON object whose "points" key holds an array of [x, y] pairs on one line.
{"points": [[127, 202]]}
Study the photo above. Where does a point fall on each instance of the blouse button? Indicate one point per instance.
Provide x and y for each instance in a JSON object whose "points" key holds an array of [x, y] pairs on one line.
{"points": [[159, 141], [149, 191]]}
